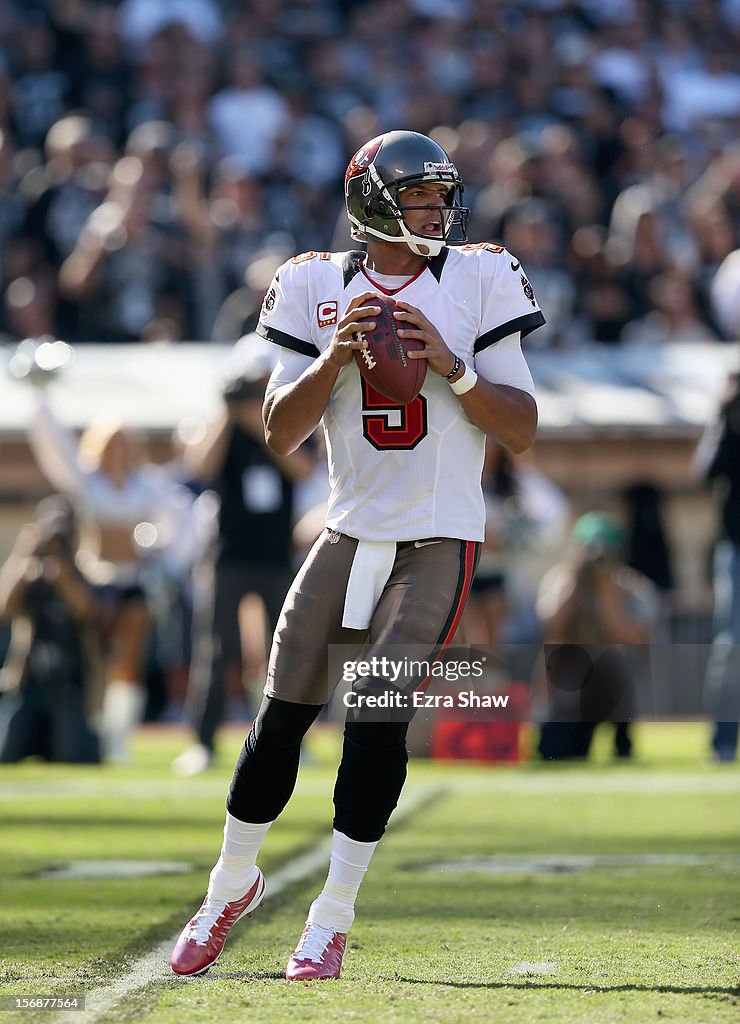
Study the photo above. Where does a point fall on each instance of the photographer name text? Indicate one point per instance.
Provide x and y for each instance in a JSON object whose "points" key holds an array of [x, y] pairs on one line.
{"points": [[417, 699]]}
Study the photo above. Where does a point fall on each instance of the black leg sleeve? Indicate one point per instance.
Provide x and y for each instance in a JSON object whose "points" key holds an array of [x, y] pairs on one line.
{"points": [[267, 768], [370, 778]]}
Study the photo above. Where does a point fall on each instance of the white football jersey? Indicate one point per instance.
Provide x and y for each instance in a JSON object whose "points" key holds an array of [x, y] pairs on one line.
{"points": [[410, 472]]}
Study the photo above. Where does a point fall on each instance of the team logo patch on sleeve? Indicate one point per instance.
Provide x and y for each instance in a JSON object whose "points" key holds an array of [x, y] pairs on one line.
{"points": [[327, 313], [528, 290], [269, 301]]}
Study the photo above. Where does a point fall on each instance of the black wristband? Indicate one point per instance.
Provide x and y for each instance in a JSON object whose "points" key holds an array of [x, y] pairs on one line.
{"points": [[455, 368]]}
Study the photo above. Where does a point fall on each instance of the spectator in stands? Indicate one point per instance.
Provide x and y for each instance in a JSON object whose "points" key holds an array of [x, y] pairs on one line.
{"points": [[715, 236], [660, 190], [29, 306], [672, 316], [227, 231], [516, 174], [248, 115], [101, 77], [648, 257], [142, 19], [252, 551], [192, 87], [65, 191], [709, 92], [60, 196], [11, 208], [41, 89], [152, 79], [50, 675], [586, 602], [127, 269], [605, 303]]}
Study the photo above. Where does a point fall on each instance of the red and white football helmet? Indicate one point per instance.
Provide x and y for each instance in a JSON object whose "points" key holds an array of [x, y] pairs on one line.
{"points": [[385, 166]]}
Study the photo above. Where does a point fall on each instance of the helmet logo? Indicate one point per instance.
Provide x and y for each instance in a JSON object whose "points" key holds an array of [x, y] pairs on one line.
{"points": [[362, 159]]}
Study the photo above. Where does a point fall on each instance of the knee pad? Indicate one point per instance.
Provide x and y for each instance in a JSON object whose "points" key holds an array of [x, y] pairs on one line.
{"points": [[280, 726], [370, 778], [267, 767]]}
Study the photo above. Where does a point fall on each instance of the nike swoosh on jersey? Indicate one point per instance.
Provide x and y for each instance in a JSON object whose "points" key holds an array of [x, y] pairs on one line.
{"points": [[425, 543], [515, 266]]}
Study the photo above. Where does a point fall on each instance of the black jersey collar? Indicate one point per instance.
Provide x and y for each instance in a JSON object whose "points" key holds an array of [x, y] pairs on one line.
{"points": [[353, 259]]}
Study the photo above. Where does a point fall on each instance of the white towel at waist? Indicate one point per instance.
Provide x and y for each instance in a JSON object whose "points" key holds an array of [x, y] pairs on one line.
{"points": [[370, 570]]}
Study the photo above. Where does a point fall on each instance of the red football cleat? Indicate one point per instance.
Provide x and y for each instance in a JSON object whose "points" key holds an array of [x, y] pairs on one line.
{"points": [[202, 939], [318, 954]]}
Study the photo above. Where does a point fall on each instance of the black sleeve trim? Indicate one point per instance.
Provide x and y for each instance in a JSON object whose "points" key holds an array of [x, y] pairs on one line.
{"points": [[351, 264], [306, 348], [525, 324]]}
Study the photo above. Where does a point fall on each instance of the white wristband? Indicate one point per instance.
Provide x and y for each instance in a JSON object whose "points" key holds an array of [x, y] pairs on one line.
{"points": [[465, 383]]}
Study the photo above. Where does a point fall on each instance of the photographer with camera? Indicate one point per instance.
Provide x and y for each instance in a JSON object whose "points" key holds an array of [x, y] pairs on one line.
{"points": [[718, 460], [593, 599], [53, 661], [251, 553]]}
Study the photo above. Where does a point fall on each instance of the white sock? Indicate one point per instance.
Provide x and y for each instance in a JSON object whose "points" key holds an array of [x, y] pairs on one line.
{"points": [[235, 870], [334, 907], [123, 708]]}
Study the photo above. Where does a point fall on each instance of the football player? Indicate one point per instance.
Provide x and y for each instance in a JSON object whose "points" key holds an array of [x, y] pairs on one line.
{"points": [[406, 511]]}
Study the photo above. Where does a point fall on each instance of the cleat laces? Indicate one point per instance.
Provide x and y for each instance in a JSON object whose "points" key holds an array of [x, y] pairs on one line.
{"points": [[204, 921], [314, 943]]}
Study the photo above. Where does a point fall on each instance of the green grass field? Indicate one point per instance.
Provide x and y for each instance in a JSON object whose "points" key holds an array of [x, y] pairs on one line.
{"points": [[484, 939]]}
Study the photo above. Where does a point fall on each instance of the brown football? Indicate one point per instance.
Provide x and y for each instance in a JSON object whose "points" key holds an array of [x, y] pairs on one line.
{"points": [[384, 363]]}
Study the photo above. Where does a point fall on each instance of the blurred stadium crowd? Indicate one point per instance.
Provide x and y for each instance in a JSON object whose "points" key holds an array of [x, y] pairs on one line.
{"points": [[158, 158]]}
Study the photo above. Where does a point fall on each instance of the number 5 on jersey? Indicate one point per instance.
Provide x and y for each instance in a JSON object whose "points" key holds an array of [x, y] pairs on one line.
{"points": [[388, 426]]}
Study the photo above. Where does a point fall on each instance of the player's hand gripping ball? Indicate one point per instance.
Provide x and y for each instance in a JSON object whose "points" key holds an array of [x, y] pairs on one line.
{"points": [[384, 363]]}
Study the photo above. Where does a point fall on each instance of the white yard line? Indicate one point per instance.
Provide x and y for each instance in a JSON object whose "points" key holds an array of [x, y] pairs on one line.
{"points": [[566, 863], [642, 782], [115, 869], [154, 966]]}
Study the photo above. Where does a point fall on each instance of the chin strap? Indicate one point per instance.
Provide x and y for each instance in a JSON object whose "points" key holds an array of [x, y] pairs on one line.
{"points": [[430, 248], [427, 247]]}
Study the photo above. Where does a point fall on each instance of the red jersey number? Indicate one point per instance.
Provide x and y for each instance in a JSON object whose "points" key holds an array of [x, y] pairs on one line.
{"points": [[390, 426]]}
